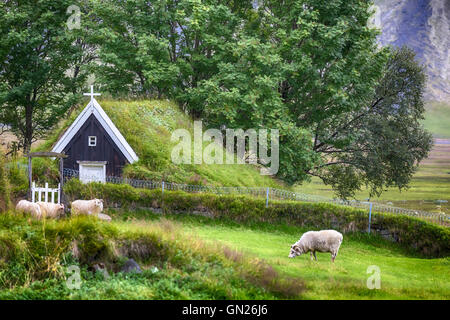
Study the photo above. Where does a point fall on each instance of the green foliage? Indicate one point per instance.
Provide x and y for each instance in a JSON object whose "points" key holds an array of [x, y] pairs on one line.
{"points": [[427, 238], [45, 170], [347, 111], [311, 70], [18, 181], [36, 89], [276, 67], [379, 145]]}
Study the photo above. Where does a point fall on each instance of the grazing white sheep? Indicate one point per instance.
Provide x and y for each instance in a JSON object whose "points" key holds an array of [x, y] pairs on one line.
{"points": [[29, 207], [322, 241], [87, 207], [51, 210]]}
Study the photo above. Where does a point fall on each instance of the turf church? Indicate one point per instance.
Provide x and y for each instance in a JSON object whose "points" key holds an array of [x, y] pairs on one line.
{"points": [[94, 145]]}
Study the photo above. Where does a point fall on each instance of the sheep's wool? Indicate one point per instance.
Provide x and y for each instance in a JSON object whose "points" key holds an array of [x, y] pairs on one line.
{"points": [[321, 241]]}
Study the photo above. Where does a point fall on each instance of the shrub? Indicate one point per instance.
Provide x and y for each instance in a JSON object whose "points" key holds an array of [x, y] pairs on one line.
{"points": [[18, 182], [5, 192]]}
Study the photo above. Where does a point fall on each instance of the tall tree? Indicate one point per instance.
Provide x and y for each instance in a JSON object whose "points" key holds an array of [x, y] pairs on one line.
{"points": [[381, 144], [36, 53], [136, 42], [163, 48], [310, 60], [311, 69]]}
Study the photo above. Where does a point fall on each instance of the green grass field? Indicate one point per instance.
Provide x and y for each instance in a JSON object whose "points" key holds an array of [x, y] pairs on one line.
{"points": [[430, 183], [437, 119], [403, 274], [202, 258], [208, 274]]}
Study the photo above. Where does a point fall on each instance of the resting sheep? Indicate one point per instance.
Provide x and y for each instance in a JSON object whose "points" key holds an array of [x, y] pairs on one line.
{"points": [[29, 207], [87, 207], [322, 241], [51, 210]]}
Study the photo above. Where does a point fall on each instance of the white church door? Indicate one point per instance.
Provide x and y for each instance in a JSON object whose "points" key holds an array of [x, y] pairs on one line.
{"points": [[92, 171]]}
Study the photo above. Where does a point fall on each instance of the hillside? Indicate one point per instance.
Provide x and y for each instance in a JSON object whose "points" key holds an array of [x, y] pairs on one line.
{"points": [[437, 119], [148, 126]]}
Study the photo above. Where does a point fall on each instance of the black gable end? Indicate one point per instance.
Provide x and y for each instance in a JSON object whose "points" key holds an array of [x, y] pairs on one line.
{"points": [[78, 148]]}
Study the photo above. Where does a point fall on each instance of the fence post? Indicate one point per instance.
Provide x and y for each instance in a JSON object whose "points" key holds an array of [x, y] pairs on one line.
{"points": [[46, 192], [162, 197], [370, 215], [33, 186], [267, 197]]}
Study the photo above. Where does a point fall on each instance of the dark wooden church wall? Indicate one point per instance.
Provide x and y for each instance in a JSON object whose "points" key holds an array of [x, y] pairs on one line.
{"points": [[105, 150]]}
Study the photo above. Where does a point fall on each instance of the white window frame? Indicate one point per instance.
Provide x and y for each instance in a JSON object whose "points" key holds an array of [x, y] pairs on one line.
{"points": [[90, 143]]}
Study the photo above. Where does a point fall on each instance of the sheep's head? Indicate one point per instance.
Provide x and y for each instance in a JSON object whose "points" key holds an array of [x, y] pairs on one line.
{"points": [[60, 210], [296, 250], [99, 204]]}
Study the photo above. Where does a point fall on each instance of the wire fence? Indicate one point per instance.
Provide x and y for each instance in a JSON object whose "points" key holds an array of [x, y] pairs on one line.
{"points": [[270, 194]]}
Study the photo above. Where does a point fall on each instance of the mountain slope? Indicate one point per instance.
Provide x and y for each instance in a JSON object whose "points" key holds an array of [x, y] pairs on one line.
{"points": [[424, 26]]}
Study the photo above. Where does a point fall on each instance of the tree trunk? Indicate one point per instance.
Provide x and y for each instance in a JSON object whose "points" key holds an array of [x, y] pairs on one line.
{"points": [[28, 132]]}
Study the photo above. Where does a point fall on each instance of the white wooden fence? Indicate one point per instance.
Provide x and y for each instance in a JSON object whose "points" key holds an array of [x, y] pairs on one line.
{"points": [[48, 193]]}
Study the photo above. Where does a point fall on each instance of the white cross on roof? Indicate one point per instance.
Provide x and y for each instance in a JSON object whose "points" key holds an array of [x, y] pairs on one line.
{"points": [[91, 94]]}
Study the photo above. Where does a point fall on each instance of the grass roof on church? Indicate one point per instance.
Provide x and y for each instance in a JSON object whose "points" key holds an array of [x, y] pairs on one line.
{"points": [[147, 125]]}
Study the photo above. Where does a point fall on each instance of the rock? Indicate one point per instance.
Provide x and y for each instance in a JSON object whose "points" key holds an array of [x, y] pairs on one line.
{"points": [[100, 267], [104, 217], [388, 235], [131, 266], [423, 27]]}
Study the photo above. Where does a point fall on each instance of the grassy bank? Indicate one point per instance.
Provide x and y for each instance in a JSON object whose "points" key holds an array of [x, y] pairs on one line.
{"points": [[195, 257], [35, 256]]}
